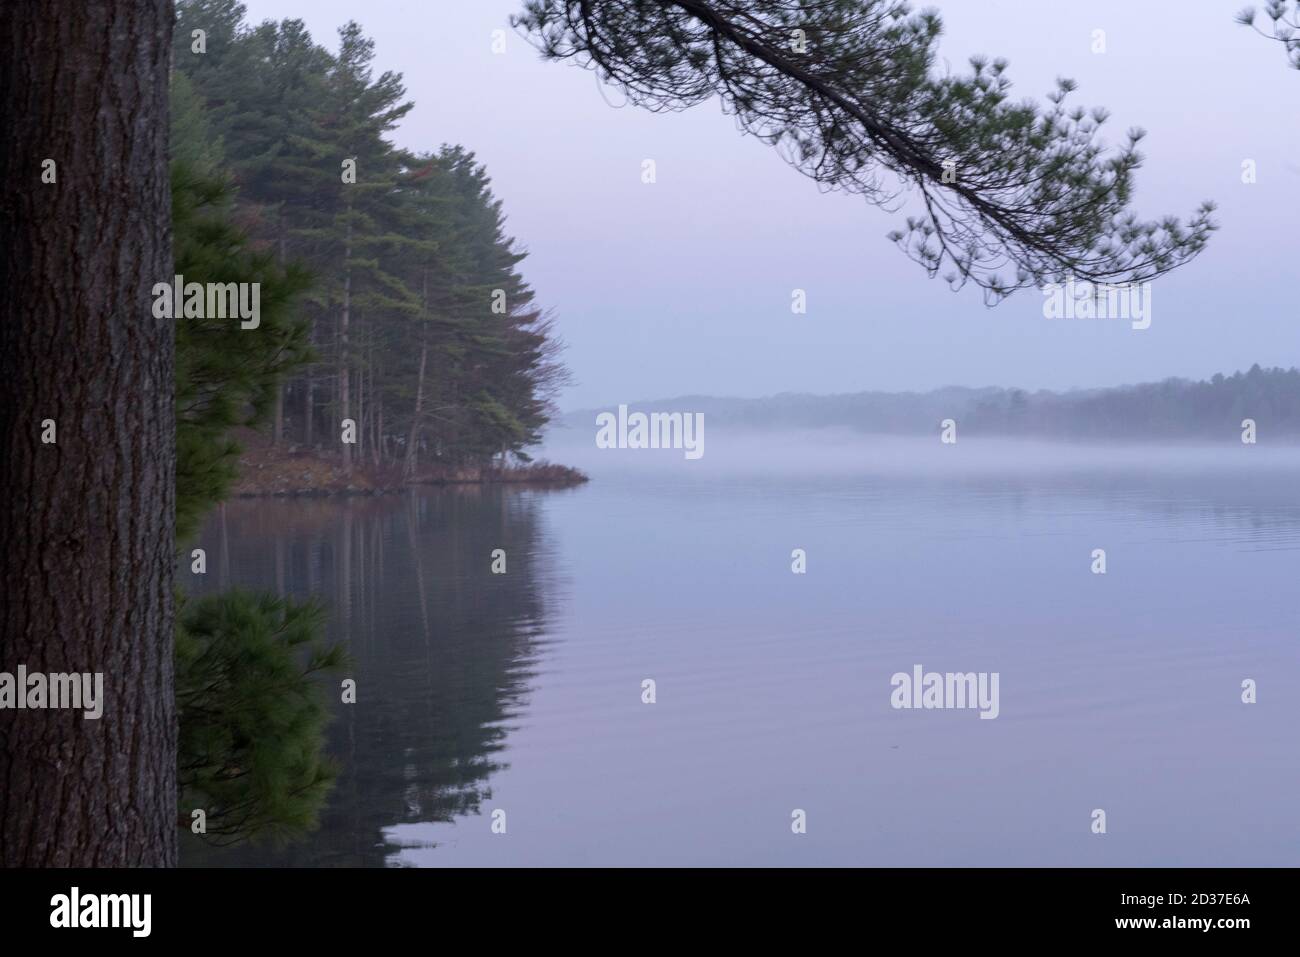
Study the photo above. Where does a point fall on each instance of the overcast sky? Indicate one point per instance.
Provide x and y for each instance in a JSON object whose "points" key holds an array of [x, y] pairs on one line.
{"points": [[684, 286]]}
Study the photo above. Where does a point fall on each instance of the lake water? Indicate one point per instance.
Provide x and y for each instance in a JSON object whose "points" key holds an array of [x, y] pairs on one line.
{"points": [[522, 692]]}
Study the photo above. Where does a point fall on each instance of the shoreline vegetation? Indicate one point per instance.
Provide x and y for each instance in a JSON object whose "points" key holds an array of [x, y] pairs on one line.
{"points": [[352, 321], [267, 471], [395, 332]]}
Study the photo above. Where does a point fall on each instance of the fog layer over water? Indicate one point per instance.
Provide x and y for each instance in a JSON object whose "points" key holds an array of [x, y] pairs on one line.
{"points": [[523, 692]]}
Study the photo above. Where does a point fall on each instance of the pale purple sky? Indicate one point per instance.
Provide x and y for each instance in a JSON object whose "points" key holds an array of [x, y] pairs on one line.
{"points": [[684, 286]]}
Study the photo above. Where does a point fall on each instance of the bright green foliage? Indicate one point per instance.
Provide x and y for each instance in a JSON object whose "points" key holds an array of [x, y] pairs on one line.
{"points": [[849, 92], [252, 717]]}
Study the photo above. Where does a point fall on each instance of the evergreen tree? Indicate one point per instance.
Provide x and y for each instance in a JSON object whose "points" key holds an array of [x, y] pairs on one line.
{"points": [[426, 334], [226, 376], [250, 714], [252, 718], [848, 90], [357, 112], [1283, 27]]}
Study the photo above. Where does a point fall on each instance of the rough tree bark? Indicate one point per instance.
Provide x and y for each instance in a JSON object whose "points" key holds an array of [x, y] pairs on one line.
{"points": [[87, 523]]}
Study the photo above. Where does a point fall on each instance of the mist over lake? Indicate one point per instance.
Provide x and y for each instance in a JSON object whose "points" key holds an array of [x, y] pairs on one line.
{"points": [[590, 434], [522, 692]]}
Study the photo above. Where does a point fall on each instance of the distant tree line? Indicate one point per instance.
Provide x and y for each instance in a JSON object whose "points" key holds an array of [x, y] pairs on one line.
{"points": [[1172, 409], [422, 330]]}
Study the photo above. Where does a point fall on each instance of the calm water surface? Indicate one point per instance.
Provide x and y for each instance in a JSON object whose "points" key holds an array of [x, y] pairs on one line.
{"points": [[522, 692]]}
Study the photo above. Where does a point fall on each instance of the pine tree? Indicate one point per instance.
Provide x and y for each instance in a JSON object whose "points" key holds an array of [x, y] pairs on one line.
{"points": [[848, 91], [252, 716], [408, 254], [249, 711], [353, 174], [226, 376], [1283, 27]]}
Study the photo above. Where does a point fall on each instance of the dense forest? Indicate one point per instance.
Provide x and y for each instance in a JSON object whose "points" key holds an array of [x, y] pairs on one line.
{"points": [[394, 334], [1212, 409], [420, 329]]}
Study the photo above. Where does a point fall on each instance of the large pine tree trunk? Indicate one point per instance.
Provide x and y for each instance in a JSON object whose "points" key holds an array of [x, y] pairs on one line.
{"points": [[87, 538]]}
